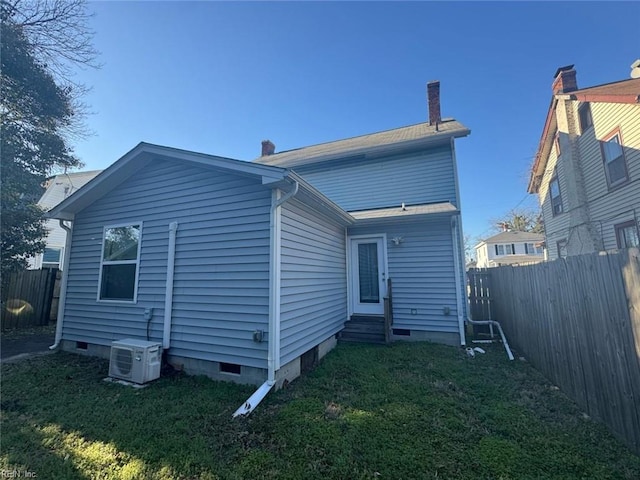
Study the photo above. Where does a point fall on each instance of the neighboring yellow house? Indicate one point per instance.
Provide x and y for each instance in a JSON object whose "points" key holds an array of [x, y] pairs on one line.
{"points": [[587, 167]]}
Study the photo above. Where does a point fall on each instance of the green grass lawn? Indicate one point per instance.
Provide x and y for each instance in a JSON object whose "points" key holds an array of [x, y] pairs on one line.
{"points": [[399, 412]]}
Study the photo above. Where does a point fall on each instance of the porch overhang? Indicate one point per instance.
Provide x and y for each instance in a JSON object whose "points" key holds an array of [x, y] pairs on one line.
{"points": [[392, 214]]}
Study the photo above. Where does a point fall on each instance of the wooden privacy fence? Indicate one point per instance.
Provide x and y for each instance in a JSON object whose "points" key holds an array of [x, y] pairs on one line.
{"points": [[577, 320], [28, 298]]}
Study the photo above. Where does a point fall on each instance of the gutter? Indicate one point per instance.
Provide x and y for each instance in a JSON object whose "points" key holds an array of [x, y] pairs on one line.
{"points": [[63, 287], [168, 295], [273, 353]]}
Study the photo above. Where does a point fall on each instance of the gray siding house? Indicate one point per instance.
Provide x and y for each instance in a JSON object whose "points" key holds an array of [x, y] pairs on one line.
{"points": [[245, 270]]}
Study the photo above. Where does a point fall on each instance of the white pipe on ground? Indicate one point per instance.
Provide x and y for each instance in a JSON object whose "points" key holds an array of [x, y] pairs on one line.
{"points": [[273, 357], [493, 322], [63, 287], [456, 259], [168, 293]]}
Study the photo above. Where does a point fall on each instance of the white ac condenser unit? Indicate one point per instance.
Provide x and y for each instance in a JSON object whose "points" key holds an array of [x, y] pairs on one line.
{"points": [[136, 361]]}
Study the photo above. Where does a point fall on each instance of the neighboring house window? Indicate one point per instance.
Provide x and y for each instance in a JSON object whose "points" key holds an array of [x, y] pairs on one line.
{"points": [[510, 249], [51, 257], [562, 248], [627, 234], [584, 113], [120, 260], [499, 249], [613, 157], [554, 195], [532, 249]]}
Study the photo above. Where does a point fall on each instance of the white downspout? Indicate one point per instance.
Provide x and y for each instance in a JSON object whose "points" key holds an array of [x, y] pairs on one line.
{"points": [[458, 278], [459, 298], [168, 294], [273, 352], [63, 287]]}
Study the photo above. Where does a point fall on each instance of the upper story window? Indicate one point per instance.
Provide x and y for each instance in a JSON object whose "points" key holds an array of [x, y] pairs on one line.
{"points": [[584, 114], [506, 249], [627, 234], [554, 196], [532, 249], [615, 165], [120, 261], [51, 257]]}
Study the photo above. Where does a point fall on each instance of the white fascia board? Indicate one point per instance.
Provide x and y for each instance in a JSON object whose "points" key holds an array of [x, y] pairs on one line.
{"points": [[320, 200]]}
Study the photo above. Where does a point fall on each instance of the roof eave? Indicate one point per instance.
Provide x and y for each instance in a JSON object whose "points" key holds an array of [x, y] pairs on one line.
{"points": [[139, 157], [542, 153], [387, 149], [321, 201], [606, 98]]}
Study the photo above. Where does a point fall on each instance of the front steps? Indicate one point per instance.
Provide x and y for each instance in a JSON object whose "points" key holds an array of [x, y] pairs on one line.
{"points": [[364, 329]]}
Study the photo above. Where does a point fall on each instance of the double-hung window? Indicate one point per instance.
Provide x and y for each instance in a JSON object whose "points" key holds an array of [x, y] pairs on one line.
{"points": [[499, 249], [615, 165], [120, 261], [584, 114], [555, 196]]}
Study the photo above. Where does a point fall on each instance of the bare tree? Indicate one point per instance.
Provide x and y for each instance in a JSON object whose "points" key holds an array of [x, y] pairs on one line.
{"points": [[520, 220], [58, 31]]}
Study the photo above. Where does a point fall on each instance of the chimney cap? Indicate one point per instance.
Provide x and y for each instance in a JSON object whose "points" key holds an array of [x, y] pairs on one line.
{"points": [[563, 69]]}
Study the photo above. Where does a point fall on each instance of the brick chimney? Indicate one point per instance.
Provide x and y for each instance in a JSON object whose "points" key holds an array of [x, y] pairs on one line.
{"points": [[433, 100], [564, 80], [268, 148]]}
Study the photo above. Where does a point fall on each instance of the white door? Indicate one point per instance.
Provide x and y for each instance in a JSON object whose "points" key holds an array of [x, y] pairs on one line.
{"points": [[368, 275]]}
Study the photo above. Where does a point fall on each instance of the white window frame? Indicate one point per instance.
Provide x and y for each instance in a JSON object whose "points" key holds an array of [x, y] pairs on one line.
{"points": [[47, 264], [499, 250], [120, 262], [609, 138]]}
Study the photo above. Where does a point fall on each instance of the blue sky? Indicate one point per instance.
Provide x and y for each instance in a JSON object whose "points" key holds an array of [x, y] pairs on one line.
{"points": [[221, 77]]}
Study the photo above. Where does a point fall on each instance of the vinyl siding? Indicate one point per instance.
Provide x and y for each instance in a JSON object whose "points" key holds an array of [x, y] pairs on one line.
{"points": [[221, 281], [360, 184], [313, 280], [556, 227], [422, 271], [608, 208]]}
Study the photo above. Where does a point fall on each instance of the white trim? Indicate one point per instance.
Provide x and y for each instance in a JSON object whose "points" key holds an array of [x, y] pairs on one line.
{"points": [[351, 290], [347, 248], [276, 253], [455, 235], [120, 262], [63, 285], [168, 291]]}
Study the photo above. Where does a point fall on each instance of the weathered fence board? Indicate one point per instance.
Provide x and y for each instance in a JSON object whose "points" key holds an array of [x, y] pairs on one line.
{"points": [[578, 321], [27, 299]]}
